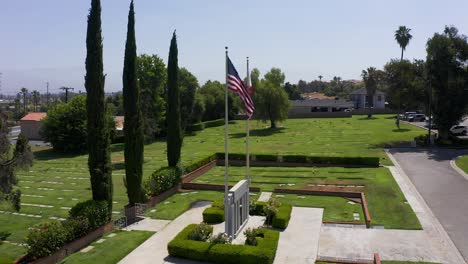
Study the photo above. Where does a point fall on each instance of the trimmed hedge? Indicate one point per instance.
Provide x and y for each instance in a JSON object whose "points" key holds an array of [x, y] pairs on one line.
{"points": [[263, 253], [214, 123], [281, 219], [266, 157], [257, 208], [200, 162], [202, 125], [213, 215], [94, 211]]}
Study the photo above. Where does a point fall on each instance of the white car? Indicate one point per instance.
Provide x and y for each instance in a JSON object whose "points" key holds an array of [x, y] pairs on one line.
{"points": [[459, 130]]}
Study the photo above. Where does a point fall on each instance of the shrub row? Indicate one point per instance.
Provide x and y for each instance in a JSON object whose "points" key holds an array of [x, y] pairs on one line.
{"points": [[162, 180], [200, 162], [263, 253], [281, 218], [366, 161], [215, 213], [46, 238]]}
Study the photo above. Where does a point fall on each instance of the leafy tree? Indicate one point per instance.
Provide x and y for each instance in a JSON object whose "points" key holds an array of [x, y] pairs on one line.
{"points": [[198, 108], [370, 79], [116, 100], [271, 101], [22, 158], [36, 97], [188, 85], [152, 77], [292, 91], [403, 37], [133, 127], [447, 58], [97, 127], [174, 129], [213, 96]]}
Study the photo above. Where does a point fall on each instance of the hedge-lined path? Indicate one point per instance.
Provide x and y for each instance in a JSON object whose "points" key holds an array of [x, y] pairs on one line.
{"points": [[430, 244], [154, 249], [299, 242], [444, 190]]}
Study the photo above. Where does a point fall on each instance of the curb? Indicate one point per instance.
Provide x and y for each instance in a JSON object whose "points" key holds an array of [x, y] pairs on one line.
{"points": [[453, 164]]}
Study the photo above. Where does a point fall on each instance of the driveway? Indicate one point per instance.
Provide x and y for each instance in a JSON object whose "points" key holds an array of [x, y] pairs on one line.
{"points": [[444, 190]]}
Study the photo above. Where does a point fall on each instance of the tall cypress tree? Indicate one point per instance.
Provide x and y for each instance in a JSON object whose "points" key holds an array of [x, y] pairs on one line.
{"points": [[99, 160], [174, 130], [133, 127]]}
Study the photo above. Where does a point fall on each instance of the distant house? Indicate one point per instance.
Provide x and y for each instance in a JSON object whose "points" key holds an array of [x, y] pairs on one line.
{"points": [[319, 108], [359, 97], [119, 124], [31, 125]]}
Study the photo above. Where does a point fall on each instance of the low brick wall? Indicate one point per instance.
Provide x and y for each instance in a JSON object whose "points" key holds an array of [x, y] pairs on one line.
{"points": [[73, 246], [163, 196], [211, 187], [199, 172], [360, 195]]}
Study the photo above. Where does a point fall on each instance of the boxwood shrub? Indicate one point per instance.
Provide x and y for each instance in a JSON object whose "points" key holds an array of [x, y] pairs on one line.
{"points": [[46, 238], [266, 157], [162, 180], [263, 253], [200, 162], [213, 215], [281, 219], [94, 211]]}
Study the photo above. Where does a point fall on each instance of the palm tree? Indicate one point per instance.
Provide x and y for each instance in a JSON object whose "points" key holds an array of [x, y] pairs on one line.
{"points": [[369, 77], [24, 91], [320, 77], [403, 37], [36, 97]]}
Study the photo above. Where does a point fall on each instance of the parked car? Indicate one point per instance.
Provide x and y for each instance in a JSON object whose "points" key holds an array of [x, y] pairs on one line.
{"points": [[407, 114], [416, 118], [459, 130]]}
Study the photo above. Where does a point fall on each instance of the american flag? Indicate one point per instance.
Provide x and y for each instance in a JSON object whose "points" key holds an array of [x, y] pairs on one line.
{"points": [[236, 85]]}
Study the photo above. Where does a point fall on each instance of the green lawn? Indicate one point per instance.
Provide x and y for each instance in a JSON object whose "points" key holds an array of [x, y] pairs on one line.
{"points": [[112, 250], [61, 181], [385, 200], [462, 163], [9, 252]]}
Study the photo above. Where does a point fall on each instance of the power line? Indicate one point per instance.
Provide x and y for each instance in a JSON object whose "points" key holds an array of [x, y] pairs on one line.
{"points": [[66, 92]]}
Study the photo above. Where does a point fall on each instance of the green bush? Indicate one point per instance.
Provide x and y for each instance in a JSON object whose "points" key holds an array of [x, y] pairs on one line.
{"points": [[295, 158], [256, 208], [3, 236], [263, 253], [218, 203], [201, 232], [220, 238], [213, 215], [94, 211], [271, 209], [195, 127], [162, 180], [251, 236], [76, 227], [200, 162], [214, 123], [225, 253], [266, 157], [46, 238], [281, 218], [237, 156]]}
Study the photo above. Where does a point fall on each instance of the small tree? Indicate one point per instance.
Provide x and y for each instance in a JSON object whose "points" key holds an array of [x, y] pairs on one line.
{"points": [[370, 81], [174, 129], [271, 103]]}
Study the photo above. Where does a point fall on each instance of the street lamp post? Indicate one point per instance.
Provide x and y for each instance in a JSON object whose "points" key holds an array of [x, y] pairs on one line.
{"points": [[430, 112]]}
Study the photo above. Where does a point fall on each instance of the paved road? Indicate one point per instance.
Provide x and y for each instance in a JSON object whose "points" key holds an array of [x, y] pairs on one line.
{"points": [[443, 189]]}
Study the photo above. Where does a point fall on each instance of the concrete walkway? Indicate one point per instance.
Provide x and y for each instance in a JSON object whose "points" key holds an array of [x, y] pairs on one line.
{"points": [[299, 242], [431, 244], [444, 190], [154, 250], [148, 224], [264, 197]]}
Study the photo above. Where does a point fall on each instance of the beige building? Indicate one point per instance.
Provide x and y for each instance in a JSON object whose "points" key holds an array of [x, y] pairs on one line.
{"points": [[31, 125]]}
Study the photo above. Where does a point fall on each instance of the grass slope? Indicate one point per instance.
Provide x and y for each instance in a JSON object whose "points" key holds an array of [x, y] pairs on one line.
{"points": [[462, 163], [112, 250]]}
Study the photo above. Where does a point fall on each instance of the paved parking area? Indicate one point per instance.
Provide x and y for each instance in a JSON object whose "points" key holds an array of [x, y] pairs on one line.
{"points": [[444, 190]]}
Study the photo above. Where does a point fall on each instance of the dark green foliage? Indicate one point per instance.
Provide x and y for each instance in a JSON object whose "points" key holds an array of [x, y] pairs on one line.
{"points": [[369, 77], [263, 253], [447, 57], [202, 125], [200, 162], [98, 133], [266, 157], [174, 128], [256, 208], [46, 238], [76, 227], [22, 154], [195, 127], [281, 218], [162, 180], [201, 232], [213, 96], [213, 215], [14, 197], [133, 128], [251, 236], [292, 91], [94, 211], [152, 77], [188, 85], [3, 236]]}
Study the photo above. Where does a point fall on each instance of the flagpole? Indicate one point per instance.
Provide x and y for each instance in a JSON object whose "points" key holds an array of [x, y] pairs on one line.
{"points": [[248, 131], [226, 152]]}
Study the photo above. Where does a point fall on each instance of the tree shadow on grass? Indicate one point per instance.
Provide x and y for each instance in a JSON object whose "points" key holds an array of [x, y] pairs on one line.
{"points": [[401, 130], [365, 118], [260, 132], [50, 154]]}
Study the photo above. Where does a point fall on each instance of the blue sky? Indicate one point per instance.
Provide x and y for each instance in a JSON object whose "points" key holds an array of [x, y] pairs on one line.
{"points": [[44, 41]]}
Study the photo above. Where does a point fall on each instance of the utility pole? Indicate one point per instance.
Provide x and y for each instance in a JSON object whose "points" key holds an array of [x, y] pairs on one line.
{"points": [[429, 141], [66, 92], [1, 85]]}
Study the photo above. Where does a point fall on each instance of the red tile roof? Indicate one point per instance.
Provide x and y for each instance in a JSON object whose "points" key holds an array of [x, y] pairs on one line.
{"points": [[35, 116]]}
